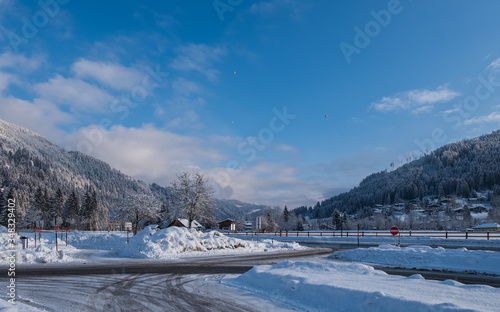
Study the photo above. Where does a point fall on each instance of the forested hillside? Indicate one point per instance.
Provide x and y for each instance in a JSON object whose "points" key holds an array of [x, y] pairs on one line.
{"points": [[462, 169], [49, 182]]}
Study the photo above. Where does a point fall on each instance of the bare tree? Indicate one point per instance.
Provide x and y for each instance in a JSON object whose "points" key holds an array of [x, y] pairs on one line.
{"points": [[138, 208], [193, 197]]}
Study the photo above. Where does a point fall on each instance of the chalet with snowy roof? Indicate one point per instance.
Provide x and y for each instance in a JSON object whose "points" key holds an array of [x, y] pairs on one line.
{"points": [[487, 227], [227, 225], [185, 223], [248, 226]]}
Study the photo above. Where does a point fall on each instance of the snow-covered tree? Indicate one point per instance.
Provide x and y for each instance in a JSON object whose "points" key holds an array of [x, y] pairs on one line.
{"points": [[57, 204], [3, 210], [139, 208], [71, 210], [337, 219], [193, 197]]}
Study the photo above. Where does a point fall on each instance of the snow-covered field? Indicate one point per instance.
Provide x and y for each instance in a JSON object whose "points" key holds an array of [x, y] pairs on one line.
{"points": [[425, 257], [340, 286], [413, 240], [336, 282], [170, 243]]}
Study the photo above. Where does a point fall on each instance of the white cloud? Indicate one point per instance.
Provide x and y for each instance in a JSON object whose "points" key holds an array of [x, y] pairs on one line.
{"points": [[415, 100], [495, 65], [422, 109], [493, 117], [156, 155], [266, 183], [78, 94], [147, 153], [190, 119], [286, 148], [5, 80], [19, 61], [199, 58], [40, 116], [450, 111], [186, 87], [112, 75]]}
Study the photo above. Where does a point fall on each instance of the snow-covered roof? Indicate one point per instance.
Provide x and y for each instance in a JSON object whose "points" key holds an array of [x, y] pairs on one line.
{"points": [[487, 226], [194, 223]]}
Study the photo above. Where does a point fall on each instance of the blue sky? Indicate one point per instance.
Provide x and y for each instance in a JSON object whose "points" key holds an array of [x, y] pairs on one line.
{"points": [[279, 102]]}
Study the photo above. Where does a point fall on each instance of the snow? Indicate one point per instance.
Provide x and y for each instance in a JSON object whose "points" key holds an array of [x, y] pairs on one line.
{"points": [[425, 257], [6, 306], [487, 226], [415, 239], [45, 252], [169, 243], [339, 286], [336, 282]]}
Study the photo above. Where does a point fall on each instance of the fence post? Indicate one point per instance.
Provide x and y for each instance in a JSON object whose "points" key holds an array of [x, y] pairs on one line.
{"points": [[286, 233], [307, 233], [446, 234], [488, 235], [297, 233], [363, 234], [347, 233], [466, 235], [281, 233], [410, 232], [320, 234]]}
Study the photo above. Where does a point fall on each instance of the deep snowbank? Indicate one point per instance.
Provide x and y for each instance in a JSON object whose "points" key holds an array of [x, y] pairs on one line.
{"points": [[338, 286], [170, 242], [44, 252], [424, 257]]}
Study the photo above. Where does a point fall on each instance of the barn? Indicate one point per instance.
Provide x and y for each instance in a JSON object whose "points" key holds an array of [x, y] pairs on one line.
{"points": [[185, 223]]}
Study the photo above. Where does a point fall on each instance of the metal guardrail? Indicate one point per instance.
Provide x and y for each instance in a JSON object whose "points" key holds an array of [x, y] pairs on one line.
{"points": [[432, 234]]}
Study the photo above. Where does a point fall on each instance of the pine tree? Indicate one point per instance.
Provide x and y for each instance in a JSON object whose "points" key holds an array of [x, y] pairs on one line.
{"points": [[286, 215], [47, 217], [337, 219], [86, 211], [57, 204], [71, 211], [36, 213], [344, 221]]}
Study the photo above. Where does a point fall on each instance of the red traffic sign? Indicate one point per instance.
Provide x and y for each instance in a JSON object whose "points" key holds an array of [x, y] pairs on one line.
{"points": [[394, 230]]}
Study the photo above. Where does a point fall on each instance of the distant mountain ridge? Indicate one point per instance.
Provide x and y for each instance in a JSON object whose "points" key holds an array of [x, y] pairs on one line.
{"points": [[462, 169], [28, 162]]}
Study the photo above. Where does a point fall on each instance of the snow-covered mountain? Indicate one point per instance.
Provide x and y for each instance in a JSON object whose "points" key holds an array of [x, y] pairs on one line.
{"points": [[29, 162], [463, 169]]}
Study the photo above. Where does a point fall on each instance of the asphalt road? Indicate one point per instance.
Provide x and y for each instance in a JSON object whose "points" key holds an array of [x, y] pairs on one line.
{"points": [[226, 264], [229, 264]]}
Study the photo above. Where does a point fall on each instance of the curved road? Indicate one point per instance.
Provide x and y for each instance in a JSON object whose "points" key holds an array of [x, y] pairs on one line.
{"points": [[177, 285]]}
